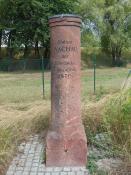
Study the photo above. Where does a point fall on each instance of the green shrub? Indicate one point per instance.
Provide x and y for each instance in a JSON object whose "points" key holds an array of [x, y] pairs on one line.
{"points": [[101, 58], [117, 118]]}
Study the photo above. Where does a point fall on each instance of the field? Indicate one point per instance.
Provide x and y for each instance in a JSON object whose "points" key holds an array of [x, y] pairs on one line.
{"points": [[27, 87], [23, 110]]}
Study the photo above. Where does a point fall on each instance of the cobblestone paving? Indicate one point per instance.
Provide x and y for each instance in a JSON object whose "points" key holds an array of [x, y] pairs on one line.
{"points": [[29, 161]]}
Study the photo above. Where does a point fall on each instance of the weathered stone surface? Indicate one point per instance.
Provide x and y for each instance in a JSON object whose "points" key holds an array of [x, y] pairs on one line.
{"points": [[66, 140]]}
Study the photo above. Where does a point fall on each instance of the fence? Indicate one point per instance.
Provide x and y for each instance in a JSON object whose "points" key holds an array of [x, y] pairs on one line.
{"points": [[23, 64], [24, 92]]}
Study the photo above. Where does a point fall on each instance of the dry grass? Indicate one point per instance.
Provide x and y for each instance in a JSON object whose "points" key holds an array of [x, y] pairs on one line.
{"points": [[12, 113], [93, 117], [16, 123], [22, 110]]}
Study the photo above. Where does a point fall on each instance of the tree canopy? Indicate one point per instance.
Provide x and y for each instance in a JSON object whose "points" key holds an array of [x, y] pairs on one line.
{"points": [[106, 23], [110, 21], [26, 22]]}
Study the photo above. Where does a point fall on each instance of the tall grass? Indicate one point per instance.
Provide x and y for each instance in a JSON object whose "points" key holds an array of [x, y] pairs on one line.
{"points": [[18, 123], [108, 128], [117, 119]]}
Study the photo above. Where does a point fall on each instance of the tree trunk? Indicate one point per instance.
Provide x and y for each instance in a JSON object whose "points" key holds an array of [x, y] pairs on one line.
{"points": [[9, 46], [0, 44], [46, 56], [113, 57], [119, 60], [37, 53], [26, 51], [46, 53], [116, 56]]}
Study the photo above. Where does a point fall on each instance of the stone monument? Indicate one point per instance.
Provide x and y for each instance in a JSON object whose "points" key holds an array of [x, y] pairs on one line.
{"points": [[66, 143]]}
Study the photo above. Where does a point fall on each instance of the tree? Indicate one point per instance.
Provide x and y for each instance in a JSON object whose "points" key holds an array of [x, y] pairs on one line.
{"points": [[63, 6], [110, 20], [1, 29], [30, 20], [87, 38], [8, 26], [0, 41]]}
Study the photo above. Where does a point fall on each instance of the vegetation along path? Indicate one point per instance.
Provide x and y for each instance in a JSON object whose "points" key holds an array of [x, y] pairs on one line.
{"points": [[24, 112]]}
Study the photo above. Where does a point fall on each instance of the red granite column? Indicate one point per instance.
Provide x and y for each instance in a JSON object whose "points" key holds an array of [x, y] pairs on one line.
{"points": [[66, 143]]}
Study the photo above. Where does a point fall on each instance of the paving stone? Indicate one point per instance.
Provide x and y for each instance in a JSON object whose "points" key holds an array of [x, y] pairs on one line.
{"points": [[27, 169], [29, 162], [19, 168], [75, 169], [63, 173], [58, 169], [35, 164], [29, 159], [55, 173], [33, 173], [10, 173], [80, 173], [26, 173], [41, 169], [71, 173], [49, 169], [83, 169], [12, 168], [18, 173], [34, 169], [35, 160], [67, 169], [40, 173]]}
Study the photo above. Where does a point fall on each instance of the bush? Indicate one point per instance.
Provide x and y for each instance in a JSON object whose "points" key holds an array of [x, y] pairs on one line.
{"points": [[117, 119], [93, 119], [101, 58]]}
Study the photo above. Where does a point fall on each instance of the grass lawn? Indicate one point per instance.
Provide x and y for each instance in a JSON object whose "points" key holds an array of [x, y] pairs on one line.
{"points": [[23, 111], [27, 87]]}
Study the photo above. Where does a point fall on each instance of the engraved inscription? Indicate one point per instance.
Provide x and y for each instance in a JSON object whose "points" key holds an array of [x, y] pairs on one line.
{"points": [[64, 68], [60, 76], [65, 63], [64, 42], [65, 49]]}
